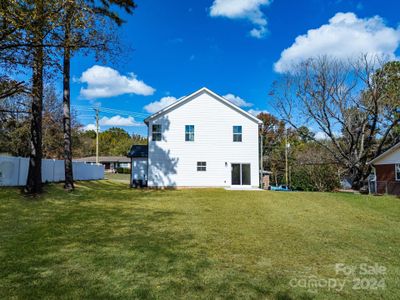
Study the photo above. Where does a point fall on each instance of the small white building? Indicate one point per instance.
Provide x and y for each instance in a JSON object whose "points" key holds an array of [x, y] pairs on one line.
{"points": [[202, 140]]}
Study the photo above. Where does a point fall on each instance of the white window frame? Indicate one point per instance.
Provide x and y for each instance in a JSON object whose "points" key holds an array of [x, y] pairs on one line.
{"points": [[157, 134], [201, 166], [189, 135], [237, 134], [397, 172]]}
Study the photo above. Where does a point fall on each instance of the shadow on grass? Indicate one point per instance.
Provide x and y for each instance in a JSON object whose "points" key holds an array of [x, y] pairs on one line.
{"points": [[106, 241], [69, 251]]}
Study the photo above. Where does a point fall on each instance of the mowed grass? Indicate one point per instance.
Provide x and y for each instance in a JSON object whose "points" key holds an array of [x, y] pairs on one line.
{"points": [[105, 241], [118, 177]]}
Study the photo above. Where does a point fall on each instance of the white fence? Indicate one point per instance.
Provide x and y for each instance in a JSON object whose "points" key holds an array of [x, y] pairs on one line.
{"points": [[14, 171]]}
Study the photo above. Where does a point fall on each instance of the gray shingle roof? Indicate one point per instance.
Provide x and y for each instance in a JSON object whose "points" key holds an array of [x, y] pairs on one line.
{"points": [[103, 159], [138, 151]]}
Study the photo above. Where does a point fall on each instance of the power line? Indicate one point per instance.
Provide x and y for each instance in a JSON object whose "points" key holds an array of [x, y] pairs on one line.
{"points": [[112, 111]]}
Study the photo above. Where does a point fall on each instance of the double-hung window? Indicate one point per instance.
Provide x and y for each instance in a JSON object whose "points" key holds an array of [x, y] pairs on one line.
{"points": [[189, 133], [156, 132], [397, 172], [237, 133], [201, 166]]}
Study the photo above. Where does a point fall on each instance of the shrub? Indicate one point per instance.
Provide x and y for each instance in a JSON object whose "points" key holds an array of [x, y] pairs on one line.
{"points": [[123, 170], [321, 178]]}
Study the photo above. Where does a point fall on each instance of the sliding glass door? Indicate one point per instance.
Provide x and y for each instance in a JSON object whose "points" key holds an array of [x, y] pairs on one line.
{"points": [[241, 174]]}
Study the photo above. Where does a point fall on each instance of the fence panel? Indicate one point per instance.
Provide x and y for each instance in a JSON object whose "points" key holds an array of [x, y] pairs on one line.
{"points": [[59, 174], [387, 187], [23, 168], [9, 171], [14, 171], [47, 170]]}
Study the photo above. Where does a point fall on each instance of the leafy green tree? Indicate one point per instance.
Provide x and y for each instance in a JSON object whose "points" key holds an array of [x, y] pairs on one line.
{"points": [[116, 141], [26, 44], [83, 28]]}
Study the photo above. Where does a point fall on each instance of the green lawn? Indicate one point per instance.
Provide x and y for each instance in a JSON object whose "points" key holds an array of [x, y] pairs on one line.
{"points": [[106, 241], [118, 177]]}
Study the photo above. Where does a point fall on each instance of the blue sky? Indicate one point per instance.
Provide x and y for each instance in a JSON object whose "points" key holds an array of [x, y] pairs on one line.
{"points": [[234, 47]]}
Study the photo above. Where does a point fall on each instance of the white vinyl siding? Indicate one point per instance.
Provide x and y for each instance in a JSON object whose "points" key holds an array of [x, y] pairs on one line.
{"points": [[139, 168], [173, 161]]}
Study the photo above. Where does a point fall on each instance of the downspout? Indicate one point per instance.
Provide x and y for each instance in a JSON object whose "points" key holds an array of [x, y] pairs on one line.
{"points": [[148, 152], [131, 177], [376, 180]]}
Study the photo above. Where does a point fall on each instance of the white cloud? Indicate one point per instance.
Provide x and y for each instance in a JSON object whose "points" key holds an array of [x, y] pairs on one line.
{"points": [[89, 127], [104, 82], [154, 107], [345, 36], [258, 33], [243, 9], [320, 135], [119, 121], [256, 112], [237, 100]]}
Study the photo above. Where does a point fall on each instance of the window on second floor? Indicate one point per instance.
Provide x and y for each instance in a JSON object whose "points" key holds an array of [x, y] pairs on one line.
{"points": [[201, 166], [397, 171], [189, 133], [156, 132], [237, 133]]}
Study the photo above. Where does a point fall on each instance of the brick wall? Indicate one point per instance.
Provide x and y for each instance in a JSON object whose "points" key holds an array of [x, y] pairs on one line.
{"points": [[386, 179]]}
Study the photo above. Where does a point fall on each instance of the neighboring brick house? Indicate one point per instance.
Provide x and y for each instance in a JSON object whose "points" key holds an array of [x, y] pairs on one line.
{"points": [[387, 171]]}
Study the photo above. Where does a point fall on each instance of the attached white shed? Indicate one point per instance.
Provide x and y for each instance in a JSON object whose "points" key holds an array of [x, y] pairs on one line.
{"points": [[139, 162]]}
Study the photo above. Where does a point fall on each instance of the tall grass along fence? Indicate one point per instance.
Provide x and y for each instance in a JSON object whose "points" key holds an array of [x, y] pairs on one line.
{"points": [[14, 171]]}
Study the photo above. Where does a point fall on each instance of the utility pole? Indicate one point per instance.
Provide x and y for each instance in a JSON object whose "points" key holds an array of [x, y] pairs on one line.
{"points": [[286, 158], [97, 135]]}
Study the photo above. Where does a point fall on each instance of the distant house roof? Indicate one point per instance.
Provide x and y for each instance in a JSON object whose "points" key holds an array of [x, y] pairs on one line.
{"points": [[104, 159], [384, 154], [138, 151], [185, 99]]}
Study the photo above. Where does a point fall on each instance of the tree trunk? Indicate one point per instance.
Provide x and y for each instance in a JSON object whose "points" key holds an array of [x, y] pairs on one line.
{"points": [[34, 182], [69, 178], [359, 177]]}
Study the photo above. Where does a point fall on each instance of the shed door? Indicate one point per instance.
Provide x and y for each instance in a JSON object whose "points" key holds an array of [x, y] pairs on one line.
{"points": [[139, 169]]}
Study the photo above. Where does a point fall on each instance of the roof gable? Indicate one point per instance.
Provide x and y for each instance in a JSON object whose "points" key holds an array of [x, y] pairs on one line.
{"points": [[186, 99], [385, 155]]}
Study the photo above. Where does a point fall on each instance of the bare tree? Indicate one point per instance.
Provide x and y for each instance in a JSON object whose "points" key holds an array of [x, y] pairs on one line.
{"points": [[347, 103]]}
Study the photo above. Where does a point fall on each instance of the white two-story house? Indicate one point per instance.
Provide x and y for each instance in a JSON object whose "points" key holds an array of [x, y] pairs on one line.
{"points": [[202, 140]]}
